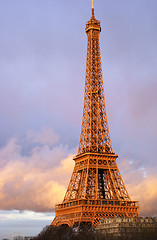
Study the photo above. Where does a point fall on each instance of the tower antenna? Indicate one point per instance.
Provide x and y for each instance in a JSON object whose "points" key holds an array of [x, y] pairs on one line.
{"points": [[93, 7]]}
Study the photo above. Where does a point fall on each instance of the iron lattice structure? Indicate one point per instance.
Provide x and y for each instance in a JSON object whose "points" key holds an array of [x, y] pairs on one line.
{"points": [[95, 135], [96, 188]]}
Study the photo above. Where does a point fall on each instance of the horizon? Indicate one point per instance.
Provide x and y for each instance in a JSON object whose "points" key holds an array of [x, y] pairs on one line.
{"points": [[43, 62]]}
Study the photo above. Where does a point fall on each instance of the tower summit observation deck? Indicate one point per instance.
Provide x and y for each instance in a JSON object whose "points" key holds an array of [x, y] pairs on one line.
{"points": [[96, 189]]}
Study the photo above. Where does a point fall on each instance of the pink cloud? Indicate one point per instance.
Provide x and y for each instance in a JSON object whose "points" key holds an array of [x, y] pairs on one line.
{"points": [[32, 182], [141, 187], [45, 136], [37, 182]]}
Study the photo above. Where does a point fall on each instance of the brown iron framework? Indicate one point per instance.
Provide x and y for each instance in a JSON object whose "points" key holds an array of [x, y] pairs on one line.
{"points": [[96, 188]]}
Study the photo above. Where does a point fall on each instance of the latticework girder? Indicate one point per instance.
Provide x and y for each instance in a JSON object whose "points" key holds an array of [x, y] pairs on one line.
{"points": [[91, 211], [96, 188], [95, 135], [96, 176]]}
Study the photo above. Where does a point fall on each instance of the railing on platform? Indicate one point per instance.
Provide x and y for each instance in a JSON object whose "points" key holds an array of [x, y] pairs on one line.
{"points": [[84, 202]]}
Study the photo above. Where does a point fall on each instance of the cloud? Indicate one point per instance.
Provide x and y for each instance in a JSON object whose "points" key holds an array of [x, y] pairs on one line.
{"points": [[146, 192], [46, 136], [24, 215], [22, 223], [38, 181], [141, 185], [35, 182]]}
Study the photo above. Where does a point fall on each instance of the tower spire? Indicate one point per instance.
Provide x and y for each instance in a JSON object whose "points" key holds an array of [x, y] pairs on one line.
{"points": [[92, 7], [92, 3]]}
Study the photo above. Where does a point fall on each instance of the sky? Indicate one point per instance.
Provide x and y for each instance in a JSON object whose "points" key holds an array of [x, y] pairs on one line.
{"points": [[42, 73]]}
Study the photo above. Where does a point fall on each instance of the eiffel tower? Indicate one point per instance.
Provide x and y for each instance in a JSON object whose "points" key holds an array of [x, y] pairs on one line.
{"points": [[96, 189]]}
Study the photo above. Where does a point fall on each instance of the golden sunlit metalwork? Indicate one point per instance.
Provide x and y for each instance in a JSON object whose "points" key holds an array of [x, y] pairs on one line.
{"points": [[96, 189], [92, 3]]}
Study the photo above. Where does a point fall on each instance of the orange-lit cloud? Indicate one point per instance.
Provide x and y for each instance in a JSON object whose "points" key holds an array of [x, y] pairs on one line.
{"points": [[141, 187], [146, 192], [39, 180], [33, 182]]}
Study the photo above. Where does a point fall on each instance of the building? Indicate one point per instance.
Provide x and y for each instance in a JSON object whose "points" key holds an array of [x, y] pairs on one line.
{"points": [[123, 225]]}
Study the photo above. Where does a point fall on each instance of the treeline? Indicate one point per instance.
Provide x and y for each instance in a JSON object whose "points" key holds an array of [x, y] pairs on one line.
{"points": [[67, 233]]}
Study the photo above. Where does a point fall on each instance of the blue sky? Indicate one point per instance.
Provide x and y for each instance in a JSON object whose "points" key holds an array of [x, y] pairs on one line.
{"points": [[27, 223], [42, 69]]}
